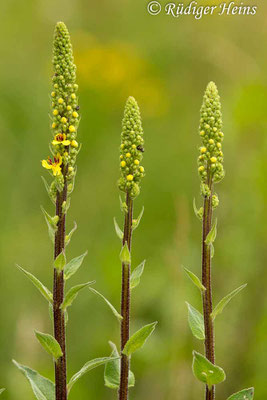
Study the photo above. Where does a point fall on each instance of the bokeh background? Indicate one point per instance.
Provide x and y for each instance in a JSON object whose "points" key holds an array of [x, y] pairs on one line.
{"points": [[121, 50]]}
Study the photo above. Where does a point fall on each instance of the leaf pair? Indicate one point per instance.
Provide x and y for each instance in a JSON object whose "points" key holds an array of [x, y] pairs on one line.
{"points": [[112, 371], [44, 389], [135, 223]]}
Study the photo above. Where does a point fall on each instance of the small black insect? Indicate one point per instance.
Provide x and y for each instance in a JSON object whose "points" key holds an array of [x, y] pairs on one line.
{"points": [[140, 148], [77, 108]]}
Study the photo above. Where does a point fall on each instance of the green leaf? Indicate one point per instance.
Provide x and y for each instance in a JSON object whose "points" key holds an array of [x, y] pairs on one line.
{"points": [[72, 267], [50, 344], [136, 275], [136, 221], [112, 371], [212, 251], [42, 289], [113, 309], [211, 236], [117, 229], [2, 390], [86, 368], [198, 212], [123, 206], [69, 236], [195, 279], [47, 187], [72, 294], [205, 371], [196, 322], [60, 262], [43, 388], [220, 306], [138, 339], [125, 254], [246, 394], [51, 224]]}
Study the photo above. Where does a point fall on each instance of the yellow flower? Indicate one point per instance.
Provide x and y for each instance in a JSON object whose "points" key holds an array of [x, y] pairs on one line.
{"points": [[201, 168], [55, 112], [68, 108], [54, 125], [53, 94], [55, 165], [72, 128], [129, 177], [123, 163], [213, 159], [133, 146], [136, 162], [211, 141], [128, 155], [75, 114], [142, 169], [64, 120], [219, 145], [60, 100], [61, 138], [202, 133], [203, 150], [73, 96], [74, 143]]}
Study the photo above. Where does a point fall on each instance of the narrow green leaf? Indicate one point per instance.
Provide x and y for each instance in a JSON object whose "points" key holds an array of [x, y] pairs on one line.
{"points": [[51, 224], [113, 309], [138, 339], [112, 371], [196, 322], [117, 229], [195, 279], [42, 289], [47, 187], [212, 251], [246, 394], [211, 236], [69, 236], [198, 212], [136, 275], [72, 294], [2, 390], [42, 387], [50, 344], [123, 206], [220, 306], [60, 262], [136, 221], [86, 368], [72, 267], [205, 371], [125, 254]]}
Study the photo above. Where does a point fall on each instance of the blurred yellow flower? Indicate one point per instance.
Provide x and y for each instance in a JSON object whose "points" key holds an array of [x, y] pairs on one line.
{"points": [[54, 165]]}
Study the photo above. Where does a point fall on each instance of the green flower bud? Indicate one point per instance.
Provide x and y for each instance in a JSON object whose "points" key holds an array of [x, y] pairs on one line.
{"points": [[215, 201], [211, 156], [131, 149]]}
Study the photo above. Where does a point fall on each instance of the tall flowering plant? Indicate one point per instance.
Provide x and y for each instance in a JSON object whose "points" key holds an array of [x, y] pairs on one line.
{"points": [[211, 171], [62, 166]]}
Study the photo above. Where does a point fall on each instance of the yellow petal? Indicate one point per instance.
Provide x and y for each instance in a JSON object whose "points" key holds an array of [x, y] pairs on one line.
{"points": [[66, 142], [46, 165], [55, 142]]}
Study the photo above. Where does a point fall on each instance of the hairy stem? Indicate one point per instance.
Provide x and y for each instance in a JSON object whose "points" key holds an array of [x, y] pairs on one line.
{"points": [[58, 296], [206, 281], [125, 302]]}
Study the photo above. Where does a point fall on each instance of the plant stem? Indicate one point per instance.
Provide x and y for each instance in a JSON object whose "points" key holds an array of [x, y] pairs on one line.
{"points": [[206, 281], [58, 296], [125, 301]]}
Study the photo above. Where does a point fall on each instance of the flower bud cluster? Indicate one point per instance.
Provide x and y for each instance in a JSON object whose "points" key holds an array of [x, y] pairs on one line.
{"points": [[65, 110], [210, 160], [131, 149]]}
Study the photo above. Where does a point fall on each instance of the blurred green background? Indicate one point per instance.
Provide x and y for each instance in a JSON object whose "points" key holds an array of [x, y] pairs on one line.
{"points": [[121, 50]]}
